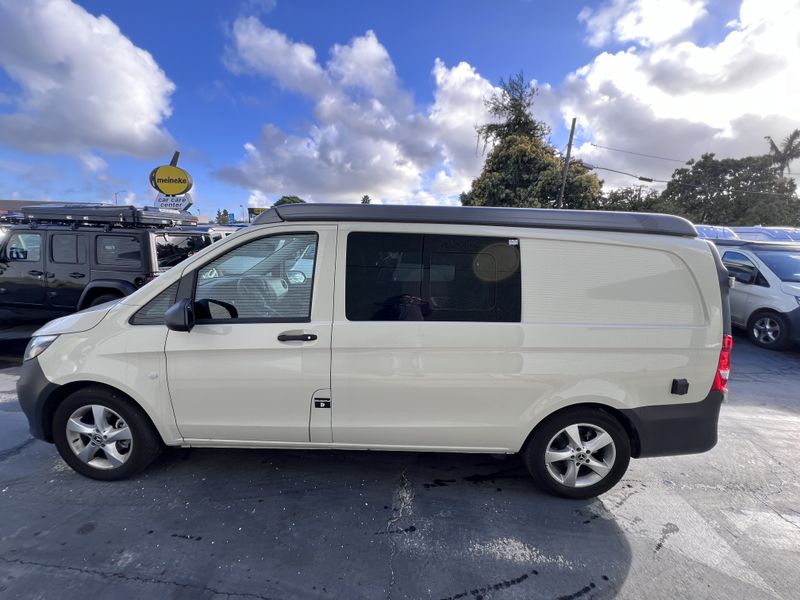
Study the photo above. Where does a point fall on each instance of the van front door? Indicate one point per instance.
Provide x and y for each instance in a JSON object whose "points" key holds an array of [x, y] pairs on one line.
{"points": [[261, 347], [745, 273]]}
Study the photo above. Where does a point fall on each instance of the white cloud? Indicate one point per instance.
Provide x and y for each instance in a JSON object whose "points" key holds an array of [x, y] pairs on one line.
{"points": [[680, 99], [92, 162], [82, 83], [367, 137], [644, 21]]}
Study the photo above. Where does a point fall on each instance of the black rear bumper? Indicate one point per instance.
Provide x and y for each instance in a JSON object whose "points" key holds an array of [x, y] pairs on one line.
{"points": [[676, 428], [33, 389]]}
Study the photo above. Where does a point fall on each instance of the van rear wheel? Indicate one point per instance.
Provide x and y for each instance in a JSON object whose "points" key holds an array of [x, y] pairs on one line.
{"points": [[578, 453], [102, 435]]}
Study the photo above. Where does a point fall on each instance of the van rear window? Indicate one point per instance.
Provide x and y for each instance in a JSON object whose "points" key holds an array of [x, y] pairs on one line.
{"points": [[416, 277]]}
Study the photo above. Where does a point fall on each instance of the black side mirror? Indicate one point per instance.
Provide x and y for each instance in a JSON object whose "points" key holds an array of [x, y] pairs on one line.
{"points": [[748, 277], [180, 316]]}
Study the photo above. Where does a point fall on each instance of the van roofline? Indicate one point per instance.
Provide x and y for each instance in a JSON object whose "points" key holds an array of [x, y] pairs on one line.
{"points": [[759, 244], [625, 222]]}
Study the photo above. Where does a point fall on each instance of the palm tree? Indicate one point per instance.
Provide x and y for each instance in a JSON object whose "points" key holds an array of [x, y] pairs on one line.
{"points": [[785, 153]]}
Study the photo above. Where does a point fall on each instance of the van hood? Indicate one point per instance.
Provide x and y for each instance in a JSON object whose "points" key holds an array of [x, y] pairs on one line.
{"points": [[791, 288], [79, 321]]}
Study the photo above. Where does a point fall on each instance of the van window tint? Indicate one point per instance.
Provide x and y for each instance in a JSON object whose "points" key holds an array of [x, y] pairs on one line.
{"points": [[738, 265], [415, 277], [269, 279], [24, 247], [152, 313], [64, 248], [119, 250]]}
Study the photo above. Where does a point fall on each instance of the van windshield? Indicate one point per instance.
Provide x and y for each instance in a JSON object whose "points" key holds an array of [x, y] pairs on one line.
{"points": [[173, 248], [786, 265]]}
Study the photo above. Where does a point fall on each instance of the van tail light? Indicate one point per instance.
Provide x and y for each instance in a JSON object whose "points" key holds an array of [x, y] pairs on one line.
{"points": [[724, 367]]}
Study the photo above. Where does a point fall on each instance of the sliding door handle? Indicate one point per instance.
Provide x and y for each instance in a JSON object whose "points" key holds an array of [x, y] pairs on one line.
{"points": [[297, 337]]}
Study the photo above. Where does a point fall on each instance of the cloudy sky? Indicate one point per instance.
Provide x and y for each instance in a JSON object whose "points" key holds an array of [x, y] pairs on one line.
{"points": [[331, 101]]}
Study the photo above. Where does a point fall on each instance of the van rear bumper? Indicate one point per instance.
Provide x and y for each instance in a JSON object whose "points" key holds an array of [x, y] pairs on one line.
{"points": [[676, 428]]}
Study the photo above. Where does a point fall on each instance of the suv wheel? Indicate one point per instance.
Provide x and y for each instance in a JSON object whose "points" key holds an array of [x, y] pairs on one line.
{"points": [[769, 330], [103, 298], [579, 453], [102, 435]]}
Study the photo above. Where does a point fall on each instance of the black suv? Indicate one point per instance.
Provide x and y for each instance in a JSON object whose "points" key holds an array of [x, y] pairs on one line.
{"points": [[58, 259]]}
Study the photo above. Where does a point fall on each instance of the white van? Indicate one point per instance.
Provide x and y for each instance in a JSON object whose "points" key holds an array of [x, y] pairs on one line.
{"points": [[578, 339], [766, 298]]}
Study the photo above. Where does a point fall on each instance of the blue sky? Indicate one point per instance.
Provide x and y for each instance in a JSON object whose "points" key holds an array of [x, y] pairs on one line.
{"points": [[333, 100]]}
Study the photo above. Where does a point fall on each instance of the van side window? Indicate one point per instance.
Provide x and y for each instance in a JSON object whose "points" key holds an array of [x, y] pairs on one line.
{"points": [[119, 250], [741, 267], [267, 280], [416, 277], [64, 248], [24, 247], [152, 313]]}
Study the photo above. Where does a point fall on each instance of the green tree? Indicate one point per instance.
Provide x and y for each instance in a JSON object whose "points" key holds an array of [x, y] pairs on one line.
{"points": [[788, 151], [732, 191], [522, 168], [288, 200], [223, 217], [632, 199], [365, 199]]}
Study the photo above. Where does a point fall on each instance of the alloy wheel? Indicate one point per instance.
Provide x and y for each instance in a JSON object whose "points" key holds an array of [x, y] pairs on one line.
{"points": [[766, 330], [580, 455], [99, 437]]}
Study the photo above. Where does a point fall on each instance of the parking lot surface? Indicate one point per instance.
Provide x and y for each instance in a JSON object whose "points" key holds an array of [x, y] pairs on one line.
{"points": [[327, 524]]}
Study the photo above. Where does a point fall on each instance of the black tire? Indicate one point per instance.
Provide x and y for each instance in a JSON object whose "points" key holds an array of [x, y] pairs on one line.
{"points": [[759, 336], [144, 446], [103, 298], [587, 418]]}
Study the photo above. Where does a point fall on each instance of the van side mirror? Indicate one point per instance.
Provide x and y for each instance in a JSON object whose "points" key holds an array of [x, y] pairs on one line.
{"points": [[180, 316], [748, 277]]}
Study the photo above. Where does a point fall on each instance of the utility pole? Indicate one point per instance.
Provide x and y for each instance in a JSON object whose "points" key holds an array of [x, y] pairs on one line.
{"points": [[566, 166], [116, 196]]}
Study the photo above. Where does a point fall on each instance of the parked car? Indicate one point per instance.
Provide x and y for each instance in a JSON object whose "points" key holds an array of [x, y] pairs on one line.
{"points": [[58, 259], [715, 232], [792, 232], [761, 234], [579, 339], [766, 298]]}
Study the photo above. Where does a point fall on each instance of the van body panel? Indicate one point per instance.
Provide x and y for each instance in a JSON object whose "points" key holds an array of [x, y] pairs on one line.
{"points": [[607, 318]]}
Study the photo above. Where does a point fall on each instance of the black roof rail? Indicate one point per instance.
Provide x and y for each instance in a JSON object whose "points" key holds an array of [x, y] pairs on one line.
{"points": [[593, 220], [106, 214]]}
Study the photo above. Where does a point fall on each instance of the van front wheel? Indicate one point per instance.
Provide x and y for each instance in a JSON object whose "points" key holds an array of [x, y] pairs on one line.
{"points": [[102, 435], [578, 453]]}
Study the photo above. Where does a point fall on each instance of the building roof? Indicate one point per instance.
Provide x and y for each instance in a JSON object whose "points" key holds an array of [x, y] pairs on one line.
{"points": [[487, 216]]}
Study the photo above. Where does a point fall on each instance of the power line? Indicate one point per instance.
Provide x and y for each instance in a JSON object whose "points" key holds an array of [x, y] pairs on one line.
{"points": [[696, 187], [683, 162]]}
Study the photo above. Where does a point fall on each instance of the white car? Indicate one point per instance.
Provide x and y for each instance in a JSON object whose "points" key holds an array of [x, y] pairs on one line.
{"points": [[766, 298], [578, 339]]}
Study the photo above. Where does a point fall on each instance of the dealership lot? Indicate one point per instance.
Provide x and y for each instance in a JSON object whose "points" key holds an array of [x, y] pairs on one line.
{"points": [[316, 524]]}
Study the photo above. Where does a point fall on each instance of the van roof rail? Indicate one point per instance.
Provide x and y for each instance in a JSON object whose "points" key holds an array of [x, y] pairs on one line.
{"points": [[106, 214], [593, 220]]}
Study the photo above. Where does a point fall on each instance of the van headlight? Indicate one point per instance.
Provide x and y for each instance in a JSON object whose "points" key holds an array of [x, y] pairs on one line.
{"points": [[37, 345]]}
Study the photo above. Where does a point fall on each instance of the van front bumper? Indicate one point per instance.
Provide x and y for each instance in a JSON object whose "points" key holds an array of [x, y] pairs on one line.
{"points": [[673, 429], [33, 389]]}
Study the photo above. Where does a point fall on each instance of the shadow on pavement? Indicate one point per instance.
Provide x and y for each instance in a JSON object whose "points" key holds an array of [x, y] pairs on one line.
{"points": [[307, 524]]}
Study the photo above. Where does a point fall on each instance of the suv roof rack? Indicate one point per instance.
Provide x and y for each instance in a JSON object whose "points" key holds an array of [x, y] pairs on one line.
{"points": [[595, 220], [106, 214]]}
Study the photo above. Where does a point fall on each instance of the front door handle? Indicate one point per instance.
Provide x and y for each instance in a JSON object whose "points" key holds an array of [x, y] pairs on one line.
{"points": [[297, 337], [35, 273], [77, 275]]}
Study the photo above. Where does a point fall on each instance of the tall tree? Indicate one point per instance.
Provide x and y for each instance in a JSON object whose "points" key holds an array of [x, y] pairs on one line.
{"points": [[522, 168], [632, 199], [288, 200], [223, 217], [365, 199], [788, 151], [732, 191]]}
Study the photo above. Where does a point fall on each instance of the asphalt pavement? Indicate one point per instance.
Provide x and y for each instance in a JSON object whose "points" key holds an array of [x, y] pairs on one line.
{"points": [[214, 524]]}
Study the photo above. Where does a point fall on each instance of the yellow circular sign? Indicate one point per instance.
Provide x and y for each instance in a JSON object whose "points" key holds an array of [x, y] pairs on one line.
{"points": [[170, 181]]}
